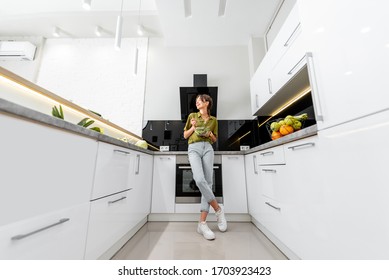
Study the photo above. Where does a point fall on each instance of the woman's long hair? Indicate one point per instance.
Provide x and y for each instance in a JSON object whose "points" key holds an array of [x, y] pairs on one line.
{"points": [[205, 98]]}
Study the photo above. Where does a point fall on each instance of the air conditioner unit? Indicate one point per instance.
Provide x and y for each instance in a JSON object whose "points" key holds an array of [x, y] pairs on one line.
{"points": [[17, 51]]}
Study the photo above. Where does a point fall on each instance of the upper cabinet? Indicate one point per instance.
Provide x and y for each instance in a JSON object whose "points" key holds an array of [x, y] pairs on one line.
{"points": [[283, 60], [349, 43]]}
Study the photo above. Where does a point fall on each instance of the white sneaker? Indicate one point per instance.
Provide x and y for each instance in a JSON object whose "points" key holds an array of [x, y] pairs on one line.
{"points": [[221, 220], [203, 229]]}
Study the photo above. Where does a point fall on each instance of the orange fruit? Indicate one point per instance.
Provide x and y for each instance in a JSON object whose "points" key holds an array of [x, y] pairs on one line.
{"points": [[286, 129], [275, 135]]}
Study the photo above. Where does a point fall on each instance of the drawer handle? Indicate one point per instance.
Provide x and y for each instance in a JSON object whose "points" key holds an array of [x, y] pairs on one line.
{"points": [[121, 152], [272, 206], [291, 35], [270, 86], [267, 153], [310, 144], [233, 157], [117, 200], [269, 170], [291, 71], [163, 158], [314, 87], [21, 236], [138, 164], [255, 164]]}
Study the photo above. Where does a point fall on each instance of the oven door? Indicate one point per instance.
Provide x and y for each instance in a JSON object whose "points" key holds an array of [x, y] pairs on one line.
{"points": [[186, 188]]}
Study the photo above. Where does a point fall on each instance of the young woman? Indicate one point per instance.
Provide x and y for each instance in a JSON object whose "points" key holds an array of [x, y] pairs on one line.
{"points": [[201, 131]]}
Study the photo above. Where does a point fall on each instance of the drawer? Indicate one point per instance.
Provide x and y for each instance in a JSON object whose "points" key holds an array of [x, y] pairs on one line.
{"points": [[112, 170], [271, 156], [58, 235], [273, 181], [110, 219]]}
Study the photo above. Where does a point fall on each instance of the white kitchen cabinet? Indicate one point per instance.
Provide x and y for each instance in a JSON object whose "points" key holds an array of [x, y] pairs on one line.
{"points": [[44, 169], [302, 195], [274, 155], [113, 167], [351, 207], [253, 185], [260, 84], [281, 62], [350, 56], [110, 219], [234, 184], [58, 235], [141, 182], [164, 182]]}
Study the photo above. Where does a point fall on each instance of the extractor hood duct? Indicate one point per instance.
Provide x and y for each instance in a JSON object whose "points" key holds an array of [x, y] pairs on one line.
{"points": [[188, 96]]}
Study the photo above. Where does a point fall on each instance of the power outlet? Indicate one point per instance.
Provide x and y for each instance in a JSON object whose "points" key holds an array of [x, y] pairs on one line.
{"points": [[163, 148], [244, 148]]}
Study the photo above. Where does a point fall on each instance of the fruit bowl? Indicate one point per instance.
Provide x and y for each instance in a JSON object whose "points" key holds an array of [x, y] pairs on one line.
{"points": [[278, 128]]}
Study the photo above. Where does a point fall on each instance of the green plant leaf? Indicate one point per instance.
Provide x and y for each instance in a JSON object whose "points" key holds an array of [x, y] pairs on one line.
{"points": [[88, 123], [95, 128], [61, 112], [83, 121]]}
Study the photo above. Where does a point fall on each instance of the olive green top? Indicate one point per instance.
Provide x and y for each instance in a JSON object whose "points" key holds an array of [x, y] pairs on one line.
{"points": [[201, 127]]}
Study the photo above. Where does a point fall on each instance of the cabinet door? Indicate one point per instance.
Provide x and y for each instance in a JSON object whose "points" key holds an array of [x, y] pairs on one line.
{"points": [[350, 56], [303, 198], [57, 235], [110, 219], [112, 170], [260, 85], [273, 155], [164, 184], [354, 199], [254, 191], [142, 178], [43, 169], [234, 184]]}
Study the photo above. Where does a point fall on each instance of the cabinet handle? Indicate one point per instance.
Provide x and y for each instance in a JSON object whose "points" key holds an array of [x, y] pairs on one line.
{"points": [[291, 71], [229, 157], [255, 164], [269, 170], [270, 86], [21, 236], [117, 200], [121, 152], [267, 153], [138, 164], [314, 87], [256, 101], [310, 144], [272, 206], [163, 158], [291, 35]]}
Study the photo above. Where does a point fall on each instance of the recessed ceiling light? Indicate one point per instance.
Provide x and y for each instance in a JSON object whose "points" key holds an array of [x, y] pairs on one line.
{"points": [[188, 8], [86, 4], [222, 7]]}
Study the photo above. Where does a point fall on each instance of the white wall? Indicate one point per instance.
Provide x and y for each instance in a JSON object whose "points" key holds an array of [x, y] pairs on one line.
{"points": [[168, 68], [25, 69], [92, 74]]}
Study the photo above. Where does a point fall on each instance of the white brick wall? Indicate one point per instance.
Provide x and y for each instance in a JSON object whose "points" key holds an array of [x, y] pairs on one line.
{"points": [[92, 74]]}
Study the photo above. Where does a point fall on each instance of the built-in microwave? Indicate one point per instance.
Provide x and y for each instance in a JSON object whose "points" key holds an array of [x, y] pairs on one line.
{"points": [[186, 188]]}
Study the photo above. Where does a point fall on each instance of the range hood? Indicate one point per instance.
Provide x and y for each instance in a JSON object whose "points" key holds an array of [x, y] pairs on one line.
{"points": [[188, 96]]}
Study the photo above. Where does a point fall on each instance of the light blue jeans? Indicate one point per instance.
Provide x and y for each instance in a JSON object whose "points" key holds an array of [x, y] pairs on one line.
{"points": [[201, 157]]}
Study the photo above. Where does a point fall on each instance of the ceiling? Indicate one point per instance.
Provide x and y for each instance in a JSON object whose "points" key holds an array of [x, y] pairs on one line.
{"points": [[160, 18]]}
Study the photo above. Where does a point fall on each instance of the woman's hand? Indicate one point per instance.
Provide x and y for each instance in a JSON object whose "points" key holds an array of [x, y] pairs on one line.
{"points": [[193, 122]]}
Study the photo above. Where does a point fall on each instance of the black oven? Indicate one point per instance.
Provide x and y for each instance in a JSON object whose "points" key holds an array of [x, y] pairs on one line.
{"points": [[186, 189]]}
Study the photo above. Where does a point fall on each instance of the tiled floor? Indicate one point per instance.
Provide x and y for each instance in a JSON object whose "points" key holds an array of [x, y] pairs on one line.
{"points": [[180, 241]]}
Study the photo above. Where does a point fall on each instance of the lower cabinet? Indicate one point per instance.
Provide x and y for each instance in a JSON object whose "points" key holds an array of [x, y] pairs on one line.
{"points": [[58, 235], [164, 181], [110, 219], [234, 184]]}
